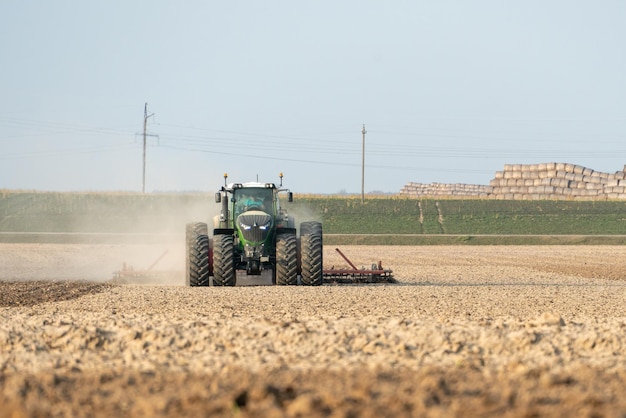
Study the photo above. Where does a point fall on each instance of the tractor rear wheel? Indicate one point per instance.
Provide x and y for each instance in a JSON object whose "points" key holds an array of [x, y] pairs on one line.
{"points": [[198, 262], [286, 269], [311, 227], [311, 250], [224, 273]]}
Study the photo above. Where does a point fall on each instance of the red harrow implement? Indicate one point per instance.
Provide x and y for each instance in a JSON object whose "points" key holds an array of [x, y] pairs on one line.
{"points": [[355, 275], [129, 271]]}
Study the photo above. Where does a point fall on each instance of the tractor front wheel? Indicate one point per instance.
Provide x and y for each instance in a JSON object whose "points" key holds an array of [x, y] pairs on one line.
{"points": [[224, 273], [286, 269]]}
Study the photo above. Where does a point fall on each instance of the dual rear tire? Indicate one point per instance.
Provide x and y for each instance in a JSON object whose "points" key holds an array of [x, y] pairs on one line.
{"points": [[198, 269], [311, 254], [202, 262]]}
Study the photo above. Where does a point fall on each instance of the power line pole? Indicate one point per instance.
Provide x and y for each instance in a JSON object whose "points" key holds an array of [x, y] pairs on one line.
{"points": [[363, 131], [145, 125]]}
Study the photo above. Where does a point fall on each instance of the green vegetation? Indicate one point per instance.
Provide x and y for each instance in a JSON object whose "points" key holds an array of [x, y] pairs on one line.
{"points": [[381, 220], [99, 212], [394, 215]]}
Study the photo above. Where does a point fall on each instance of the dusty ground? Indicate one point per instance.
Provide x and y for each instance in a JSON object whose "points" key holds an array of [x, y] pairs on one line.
{"points": [[468, 331]]}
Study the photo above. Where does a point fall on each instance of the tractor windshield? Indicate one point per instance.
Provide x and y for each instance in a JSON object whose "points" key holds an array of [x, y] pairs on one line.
{"points": [[253, 199]]}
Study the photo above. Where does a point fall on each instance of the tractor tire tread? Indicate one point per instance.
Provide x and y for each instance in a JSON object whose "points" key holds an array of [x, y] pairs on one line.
{"points": [[286, 260], [197, 262], [224, 273]]}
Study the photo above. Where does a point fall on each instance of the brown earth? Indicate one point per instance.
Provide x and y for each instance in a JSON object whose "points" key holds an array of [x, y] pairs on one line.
{"points": [[468, 331]]}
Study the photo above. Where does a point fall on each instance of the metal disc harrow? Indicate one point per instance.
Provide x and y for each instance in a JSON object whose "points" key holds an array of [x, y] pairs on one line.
{"points": [[376, 274]]}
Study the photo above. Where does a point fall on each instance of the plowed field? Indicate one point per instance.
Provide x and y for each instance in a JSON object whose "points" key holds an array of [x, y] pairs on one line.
{"points": [[468, 331]]}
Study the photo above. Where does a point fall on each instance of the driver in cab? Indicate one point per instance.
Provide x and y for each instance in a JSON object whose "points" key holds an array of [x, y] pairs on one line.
{"points": [[250, 203]]}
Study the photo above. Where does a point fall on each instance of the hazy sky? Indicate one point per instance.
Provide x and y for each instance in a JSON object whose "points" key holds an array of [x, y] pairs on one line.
{"points": [[449, 91]]}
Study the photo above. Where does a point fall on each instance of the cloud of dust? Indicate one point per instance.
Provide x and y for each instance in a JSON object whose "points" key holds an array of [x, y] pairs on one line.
{"points": [[142, 238], [165, 248], [301, 213]]}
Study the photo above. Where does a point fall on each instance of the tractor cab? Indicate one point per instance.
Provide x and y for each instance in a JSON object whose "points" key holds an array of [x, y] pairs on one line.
{"points": [[251, 198]]}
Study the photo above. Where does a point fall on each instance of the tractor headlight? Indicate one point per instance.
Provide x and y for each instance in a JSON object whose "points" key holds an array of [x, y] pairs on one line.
{"points": [[263, 227]]}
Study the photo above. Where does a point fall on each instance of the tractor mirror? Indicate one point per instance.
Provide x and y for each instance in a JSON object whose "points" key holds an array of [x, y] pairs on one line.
{"points": [[218, 197], [290, 197]]}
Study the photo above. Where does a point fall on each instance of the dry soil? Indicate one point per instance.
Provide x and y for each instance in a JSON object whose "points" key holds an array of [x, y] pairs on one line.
{"points": [[511, 331]]}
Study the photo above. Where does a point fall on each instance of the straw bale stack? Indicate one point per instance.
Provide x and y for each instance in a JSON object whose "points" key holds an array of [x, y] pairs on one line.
{"points": [[445, 189], [542, 181]]}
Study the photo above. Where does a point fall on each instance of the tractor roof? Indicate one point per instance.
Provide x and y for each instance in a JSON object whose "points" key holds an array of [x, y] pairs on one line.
{"points": [[251, 185]]}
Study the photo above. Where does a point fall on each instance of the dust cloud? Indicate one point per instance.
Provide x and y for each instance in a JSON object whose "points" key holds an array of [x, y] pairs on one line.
{"points": [[130, 238], [90, 262], [126, 237], [161, 257], [301, 213]]}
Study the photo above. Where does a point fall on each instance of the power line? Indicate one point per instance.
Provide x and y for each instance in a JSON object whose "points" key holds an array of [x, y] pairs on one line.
{"points": [[65, 152], [326, 162], [55, 128]]}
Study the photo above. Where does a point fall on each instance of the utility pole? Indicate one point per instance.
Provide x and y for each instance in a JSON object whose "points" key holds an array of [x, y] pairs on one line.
{"points": [[363, 131], [145, 134]]}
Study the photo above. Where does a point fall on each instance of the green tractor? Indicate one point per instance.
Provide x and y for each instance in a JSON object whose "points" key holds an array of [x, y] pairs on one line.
{"points": [[253, 233]]}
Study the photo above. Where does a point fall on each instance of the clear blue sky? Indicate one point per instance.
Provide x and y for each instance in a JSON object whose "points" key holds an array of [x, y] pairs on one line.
{"points": [[449, 91]]}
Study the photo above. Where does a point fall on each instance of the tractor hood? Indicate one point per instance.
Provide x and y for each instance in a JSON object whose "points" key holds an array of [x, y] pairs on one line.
{"points": [[255, 226]]}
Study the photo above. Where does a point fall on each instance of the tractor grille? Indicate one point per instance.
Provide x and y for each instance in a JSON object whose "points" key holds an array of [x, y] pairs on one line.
{"points": [[255, 226]]}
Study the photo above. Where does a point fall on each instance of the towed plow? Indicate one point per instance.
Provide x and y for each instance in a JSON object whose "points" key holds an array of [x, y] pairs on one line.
{"points": [[375, 274], [129, 272]]}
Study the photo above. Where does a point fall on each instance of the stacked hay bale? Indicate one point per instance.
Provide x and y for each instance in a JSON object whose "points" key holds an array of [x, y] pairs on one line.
{"points": [[444, 189], [557, 181], [534, 182]]}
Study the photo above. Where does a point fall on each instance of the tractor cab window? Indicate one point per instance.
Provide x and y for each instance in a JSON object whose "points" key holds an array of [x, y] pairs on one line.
{"points": [[253, 199]]}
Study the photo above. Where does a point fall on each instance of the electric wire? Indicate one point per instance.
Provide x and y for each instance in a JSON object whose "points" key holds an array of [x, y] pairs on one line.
{"points": [[330, 146]]}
